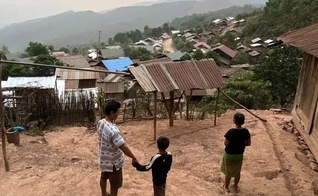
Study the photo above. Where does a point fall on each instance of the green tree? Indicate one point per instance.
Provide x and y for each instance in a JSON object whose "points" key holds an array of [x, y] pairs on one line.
{"points": [[36, 49], [241, 58], [198, 55], [252, 94], [4, 50], [186, 57], [75, 50], [281, 68], [51, 48], [48, 60], [147, 31], [63, 49], [215, 56]]}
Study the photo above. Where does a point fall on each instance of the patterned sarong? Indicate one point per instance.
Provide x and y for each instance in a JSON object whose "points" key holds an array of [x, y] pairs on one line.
{"points": [[232, 164]]}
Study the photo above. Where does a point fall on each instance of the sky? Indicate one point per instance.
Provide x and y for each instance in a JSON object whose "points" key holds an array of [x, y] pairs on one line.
{"points": [[12, 11]]}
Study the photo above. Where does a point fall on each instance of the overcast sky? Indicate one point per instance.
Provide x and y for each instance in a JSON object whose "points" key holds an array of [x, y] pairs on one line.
{"points": [[20, 10]]}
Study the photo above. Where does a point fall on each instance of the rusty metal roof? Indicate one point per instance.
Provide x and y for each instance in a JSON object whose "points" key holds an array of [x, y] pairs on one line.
{"points": [[305, 38], [160, 77], [186, 75], [210, 72], [141, 76], [68, 74], [225, 50], [78, 61], [183, 75]]}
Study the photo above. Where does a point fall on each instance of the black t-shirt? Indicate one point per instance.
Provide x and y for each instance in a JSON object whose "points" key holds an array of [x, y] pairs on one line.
{"points": [[160, 165], [237, 138]]}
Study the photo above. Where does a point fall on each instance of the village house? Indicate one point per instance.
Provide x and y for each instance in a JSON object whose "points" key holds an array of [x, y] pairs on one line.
{"points": [[254, 57], [149, 41], [76, 79], [305, 111], [141, 43], [165, 36], [226, 54], [112, 53], [202, 45]]}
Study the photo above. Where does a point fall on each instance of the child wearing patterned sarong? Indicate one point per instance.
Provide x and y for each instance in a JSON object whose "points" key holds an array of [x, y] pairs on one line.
{"points": [[235, 141]]}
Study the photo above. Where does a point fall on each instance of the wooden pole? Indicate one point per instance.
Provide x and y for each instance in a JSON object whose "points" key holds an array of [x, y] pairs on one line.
{"points": [[262, 119], [3, 134], [216, 106], [188, 101], [171, 115], [155, 116]]}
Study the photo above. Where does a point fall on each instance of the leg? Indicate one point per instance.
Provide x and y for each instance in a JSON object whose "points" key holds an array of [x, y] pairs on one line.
{"points": [[159, 190], [103, 183], [116, 181], [236, 181], [227, 182]]}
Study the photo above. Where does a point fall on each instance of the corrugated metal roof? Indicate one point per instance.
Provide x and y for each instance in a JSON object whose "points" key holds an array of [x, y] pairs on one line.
{"points": [[78, 61], [226, 50], [142, 78], [186, 75], [112, 53], [160, 78], [210, 72], [32, 82], [113, 78], [183, 75], [165, 59], [175, 56], [67, 74], [305, 38], [118, 64]]}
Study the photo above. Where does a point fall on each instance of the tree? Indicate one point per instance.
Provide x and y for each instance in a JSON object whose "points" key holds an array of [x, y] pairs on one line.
{"points": [[198, 55], [240, 58], [137, 53], [250, 93], [110, 41], [51, 48], [186, 57], [4, 50], [48, 60], [36, 49], [281, 68], [147, 31], [215, 56], [66, 50], [75, 50]]}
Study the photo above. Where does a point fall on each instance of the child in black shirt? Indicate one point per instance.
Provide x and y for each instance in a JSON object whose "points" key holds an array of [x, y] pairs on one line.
{"points": [[235, 141], [160, 165]]}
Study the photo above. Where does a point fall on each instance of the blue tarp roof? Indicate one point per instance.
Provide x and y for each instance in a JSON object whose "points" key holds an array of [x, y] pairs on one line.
{"points": [[117, 64]]}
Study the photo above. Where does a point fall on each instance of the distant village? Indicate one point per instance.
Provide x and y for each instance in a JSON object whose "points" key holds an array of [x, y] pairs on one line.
{"points": [[72, 83]]}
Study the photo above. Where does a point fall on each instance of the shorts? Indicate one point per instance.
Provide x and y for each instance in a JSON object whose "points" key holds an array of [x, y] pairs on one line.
{"points": [[115, 178], [159, 190]]}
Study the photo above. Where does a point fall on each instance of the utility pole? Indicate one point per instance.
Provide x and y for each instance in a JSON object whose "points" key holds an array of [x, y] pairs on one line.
{"points": [[98, 40]]}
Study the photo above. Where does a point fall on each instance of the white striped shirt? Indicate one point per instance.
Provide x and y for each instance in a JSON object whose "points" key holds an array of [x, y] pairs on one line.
{"points": [[110, 139]]}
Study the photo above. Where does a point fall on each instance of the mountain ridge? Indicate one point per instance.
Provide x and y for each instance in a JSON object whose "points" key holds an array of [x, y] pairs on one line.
{"points": [[79, 28]]}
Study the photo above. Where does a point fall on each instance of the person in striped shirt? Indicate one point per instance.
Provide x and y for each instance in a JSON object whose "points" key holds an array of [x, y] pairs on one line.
{"points": [[112, 148]]}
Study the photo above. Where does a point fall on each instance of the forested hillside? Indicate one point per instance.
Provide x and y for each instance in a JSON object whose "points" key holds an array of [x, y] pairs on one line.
{"points": [[281, 16]]}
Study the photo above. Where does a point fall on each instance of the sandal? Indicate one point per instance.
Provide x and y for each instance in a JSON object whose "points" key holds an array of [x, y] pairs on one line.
{"points": [[236, 189], [226, 189]]}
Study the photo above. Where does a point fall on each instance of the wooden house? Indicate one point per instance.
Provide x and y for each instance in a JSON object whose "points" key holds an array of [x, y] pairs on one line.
{"points": [[305, 111]]}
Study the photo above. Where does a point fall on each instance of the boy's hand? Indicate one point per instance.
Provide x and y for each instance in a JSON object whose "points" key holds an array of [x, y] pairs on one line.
{"points": [[134, 162]]}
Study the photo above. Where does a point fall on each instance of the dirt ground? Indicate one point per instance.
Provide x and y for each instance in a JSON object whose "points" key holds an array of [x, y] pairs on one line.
{"points": [[65, 163], [168, 45]]}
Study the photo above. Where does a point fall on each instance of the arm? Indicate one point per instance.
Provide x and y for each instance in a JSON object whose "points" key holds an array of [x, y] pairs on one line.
{"points": [[248, 142], [149, 166], [226, 142], [126, 150]]}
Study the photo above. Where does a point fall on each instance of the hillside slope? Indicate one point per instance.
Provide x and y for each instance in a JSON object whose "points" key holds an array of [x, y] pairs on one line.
{"points": [[76, 28]]}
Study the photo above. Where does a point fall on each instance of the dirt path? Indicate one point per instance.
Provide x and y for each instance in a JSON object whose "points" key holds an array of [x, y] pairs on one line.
{"points": [[65, 162], [168, 45]]}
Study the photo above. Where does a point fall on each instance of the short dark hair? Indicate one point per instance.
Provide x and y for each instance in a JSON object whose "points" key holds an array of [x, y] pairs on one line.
{"points": [[163, 143], [239, 118], [112, 106]]}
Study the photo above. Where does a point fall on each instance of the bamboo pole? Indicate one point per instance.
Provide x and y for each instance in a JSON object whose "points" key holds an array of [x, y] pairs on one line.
{"points": [[188, 102], [216, 106], [155, 116], [262, 119], [171, 116], [3, 134], [63, 67]]}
